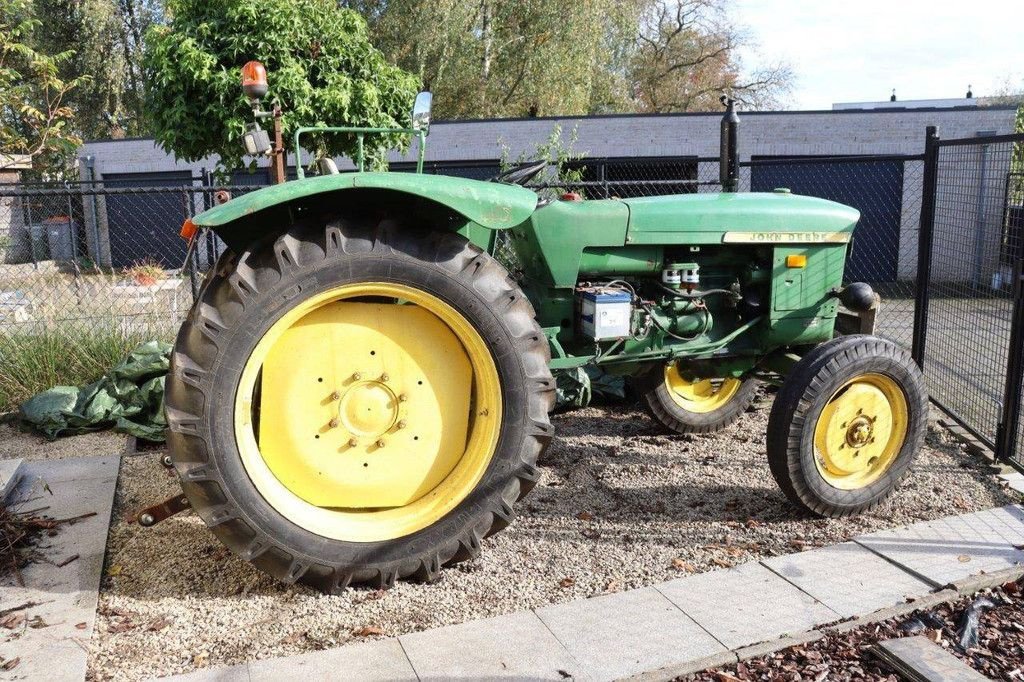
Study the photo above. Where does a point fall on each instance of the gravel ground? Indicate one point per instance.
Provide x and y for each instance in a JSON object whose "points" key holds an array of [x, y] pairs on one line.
{"points": [[997, 653], [619, 505], [15, 443]]}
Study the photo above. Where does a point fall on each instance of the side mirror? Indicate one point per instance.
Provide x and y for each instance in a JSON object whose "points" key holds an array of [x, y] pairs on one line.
{"points": [[421, 111]]}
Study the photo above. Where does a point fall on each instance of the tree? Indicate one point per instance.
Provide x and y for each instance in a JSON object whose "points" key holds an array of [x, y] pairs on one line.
{"points": [[107, 36], [488, 58], [321, 68], [686, 56], [35, 119]]}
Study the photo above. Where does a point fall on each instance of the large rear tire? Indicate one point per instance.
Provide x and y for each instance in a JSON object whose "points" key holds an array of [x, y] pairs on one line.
{"points": [[315, 473]]}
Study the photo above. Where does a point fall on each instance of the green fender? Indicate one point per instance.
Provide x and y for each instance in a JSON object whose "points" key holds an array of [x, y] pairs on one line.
{"points": [[492, 205]]}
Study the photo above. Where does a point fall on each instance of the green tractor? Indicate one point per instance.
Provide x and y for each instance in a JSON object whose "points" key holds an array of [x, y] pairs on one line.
{"points": [[361, 392]]}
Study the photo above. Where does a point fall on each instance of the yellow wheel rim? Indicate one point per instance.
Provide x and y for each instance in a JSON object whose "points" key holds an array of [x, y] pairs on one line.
{"points": [[368, 412], [701, 395], [860, 431]]}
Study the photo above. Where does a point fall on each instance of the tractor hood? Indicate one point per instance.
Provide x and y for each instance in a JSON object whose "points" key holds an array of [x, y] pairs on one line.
{"points": [[775, 217], [493, 205]]}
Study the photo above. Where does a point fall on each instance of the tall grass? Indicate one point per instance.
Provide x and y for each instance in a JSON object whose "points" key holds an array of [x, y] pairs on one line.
{"points": [[34, 360]]}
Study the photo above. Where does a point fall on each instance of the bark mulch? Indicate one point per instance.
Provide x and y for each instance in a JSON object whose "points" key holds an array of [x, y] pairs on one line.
{"points": [[985, 630]]}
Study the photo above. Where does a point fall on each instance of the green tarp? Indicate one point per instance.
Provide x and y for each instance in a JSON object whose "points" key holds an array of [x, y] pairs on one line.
{"points": [[129, 398]]}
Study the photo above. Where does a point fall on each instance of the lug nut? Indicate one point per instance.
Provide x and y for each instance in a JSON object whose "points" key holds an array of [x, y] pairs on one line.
{"points": [[357, 376], [384, 377], [352, 442], [335, 395], [380, 443], [333, 423], [401, 424], [402, 398]]}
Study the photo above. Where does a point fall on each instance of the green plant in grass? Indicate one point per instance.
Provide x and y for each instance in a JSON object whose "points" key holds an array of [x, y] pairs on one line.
{"points": [[63, 355]]}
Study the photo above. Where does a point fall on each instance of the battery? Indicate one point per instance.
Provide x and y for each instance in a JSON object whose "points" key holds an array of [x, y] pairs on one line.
{"points": [[605, 313]]}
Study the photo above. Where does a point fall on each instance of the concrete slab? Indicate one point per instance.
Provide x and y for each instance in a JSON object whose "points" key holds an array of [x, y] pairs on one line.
{"points": [[66, 596], [849, 579], [1014, 480], [921, 660], [235, 673], [72, 469], [9, 476], [950, 549], [624, 634], [746, 605], [515, 645], [381, 660]]}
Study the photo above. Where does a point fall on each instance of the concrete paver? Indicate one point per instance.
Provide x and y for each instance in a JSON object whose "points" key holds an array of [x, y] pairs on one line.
{"points": [[369, 661], [514, 645], [235, 673], [1015, 481], [848, 578], [627, 633], [10, 474], [950, 549], [67, 596], [747, 604], [919, 658]]}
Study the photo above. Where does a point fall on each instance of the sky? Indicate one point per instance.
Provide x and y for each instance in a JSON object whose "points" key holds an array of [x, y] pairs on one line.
{"points": [[859, 50]]}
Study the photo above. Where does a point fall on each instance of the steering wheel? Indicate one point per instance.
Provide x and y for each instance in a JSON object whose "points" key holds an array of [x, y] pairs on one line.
{"points": [[521, 173]]}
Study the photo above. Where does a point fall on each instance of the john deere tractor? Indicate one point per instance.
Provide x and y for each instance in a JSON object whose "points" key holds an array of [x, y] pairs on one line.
{"points": [[361, 392]]}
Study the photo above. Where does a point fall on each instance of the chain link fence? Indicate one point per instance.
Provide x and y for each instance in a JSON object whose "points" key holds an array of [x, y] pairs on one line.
{"points": [[87, 272], [89, 269]]}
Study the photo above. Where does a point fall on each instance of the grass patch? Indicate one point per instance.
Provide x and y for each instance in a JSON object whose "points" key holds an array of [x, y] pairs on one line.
{"points": [[64, 355]]}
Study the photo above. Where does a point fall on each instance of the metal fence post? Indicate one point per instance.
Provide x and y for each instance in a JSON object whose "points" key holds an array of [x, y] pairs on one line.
{"points": [[1009, 421], [929, 186]]}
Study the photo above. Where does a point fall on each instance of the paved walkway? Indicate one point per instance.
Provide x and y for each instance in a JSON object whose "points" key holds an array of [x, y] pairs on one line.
{"points": [[688, 624], [51, 637]]}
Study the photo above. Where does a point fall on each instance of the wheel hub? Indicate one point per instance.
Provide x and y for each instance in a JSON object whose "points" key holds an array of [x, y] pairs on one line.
{"points": [[859, 432], [368, 409]]}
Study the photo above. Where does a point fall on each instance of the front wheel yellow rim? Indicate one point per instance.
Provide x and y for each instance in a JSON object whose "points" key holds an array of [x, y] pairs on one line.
{"points": [[699, 395], [368, 412], [860, 431]]}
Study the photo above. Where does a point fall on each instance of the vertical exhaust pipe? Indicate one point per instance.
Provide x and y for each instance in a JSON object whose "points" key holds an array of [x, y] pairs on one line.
{"points": [[728, 159]]}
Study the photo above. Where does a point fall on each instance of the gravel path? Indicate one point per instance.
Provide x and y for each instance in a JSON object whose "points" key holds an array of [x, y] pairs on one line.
{"points": [[619, 506], [15, 443]]}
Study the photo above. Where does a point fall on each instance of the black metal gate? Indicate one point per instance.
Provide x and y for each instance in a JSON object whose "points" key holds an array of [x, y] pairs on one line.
{"points": [[969, 323]]}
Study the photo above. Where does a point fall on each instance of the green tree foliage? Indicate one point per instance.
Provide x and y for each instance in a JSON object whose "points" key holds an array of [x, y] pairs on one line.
{"points": [[34, 116], [321, 68], [485, 58], [107, 36]]}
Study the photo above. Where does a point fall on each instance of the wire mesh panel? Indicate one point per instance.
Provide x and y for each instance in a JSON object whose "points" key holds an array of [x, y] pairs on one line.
{"points": [[975, 249]]}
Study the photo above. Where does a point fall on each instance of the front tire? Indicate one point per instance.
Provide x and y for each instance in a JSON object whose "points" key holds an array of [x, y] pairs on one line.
{"points": [[847, 425], [695, 406], [287, 454]]}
